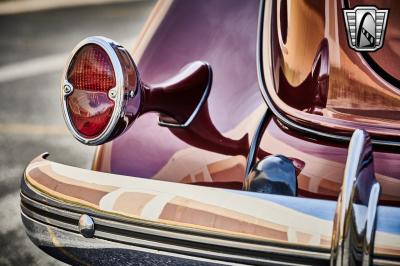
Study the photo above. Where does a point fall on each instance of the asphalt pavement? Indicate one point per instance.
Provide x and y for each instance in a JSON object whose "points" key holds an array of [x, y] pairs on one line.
{"points": [[33, 47]]}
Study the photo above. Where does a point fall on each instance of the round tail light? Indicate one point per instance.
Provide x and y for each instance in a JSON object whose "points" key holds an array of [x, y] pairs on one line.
{"points": [[97, 81], [102, 94]]}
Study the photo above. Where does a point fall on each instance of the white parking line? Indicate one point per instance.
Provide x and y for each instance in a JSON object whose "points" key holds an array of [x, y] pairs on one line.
{"points": [[32, 129], [41, 65], [32, 67], [21, 6]]}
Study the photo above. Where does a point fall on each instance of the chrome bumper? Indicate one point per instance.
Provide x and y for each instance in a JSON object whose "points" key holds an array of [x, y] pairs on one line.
{"points": [[283, 230], [70, 247]]}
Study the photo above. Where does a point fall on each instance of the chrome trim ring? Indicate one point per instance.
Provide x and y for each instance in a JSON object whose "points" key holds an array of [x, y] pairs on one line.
{"points": [[108, 46]]}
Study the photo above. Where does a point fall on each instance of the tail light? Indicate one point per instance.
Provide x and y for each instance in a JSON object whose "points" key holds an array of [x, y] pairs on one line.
{"points": [[98, 79], [102, 94]]}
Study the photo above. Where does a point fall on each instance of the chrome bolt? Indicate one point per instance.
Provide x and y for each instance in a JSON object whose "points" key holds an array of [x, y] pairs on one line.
{"points": [[67, 89], [86, 226], [112, 94]]}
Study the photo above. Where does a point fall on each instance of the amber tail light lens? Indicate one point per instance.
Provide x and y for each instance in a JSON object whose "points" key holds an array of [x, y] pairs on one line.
{"points": [[102, 94]]}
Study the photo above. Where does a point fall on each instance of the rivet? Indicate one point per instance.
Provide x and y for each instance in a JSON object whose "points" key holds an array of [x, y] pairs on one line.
{"points": [[86, 226], [112, 94], [67, 89]]}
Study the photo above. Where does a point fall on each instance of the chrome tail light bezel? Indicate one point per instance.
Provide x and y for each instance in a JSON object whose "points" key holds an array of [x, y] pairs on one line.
{"points": [[109, 46]]}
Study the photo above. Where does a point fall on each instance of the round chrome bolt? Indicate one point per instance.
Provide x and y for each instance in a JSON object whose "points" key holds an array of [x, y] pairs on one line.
{"points": [[67, 89], [86, 226], [112, 94]]}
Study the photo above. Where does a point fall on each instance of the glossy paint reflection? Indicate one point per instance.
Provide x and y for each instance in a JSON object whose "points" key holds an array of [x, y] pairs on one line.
{"points": [[214, 135], [234, 110], [324, 164], [274, 174], [349, 94], [314, 89], [179, 99]]}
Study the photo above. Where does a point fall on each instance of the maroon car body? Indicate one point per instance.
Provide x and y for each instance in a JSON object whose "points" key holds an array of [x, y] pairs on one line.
{"points": [[284, 82]]}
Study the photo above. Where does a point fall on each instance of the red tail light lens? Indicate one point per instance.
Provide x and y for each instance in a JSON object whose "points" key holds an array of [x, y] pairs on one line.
{"points": [[91, 75], [100, 91]]}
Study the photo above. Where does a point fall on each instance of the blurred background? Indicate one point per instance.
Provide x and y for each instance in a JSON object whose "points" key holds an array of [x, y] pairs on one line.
{"points": [[36, 37]]}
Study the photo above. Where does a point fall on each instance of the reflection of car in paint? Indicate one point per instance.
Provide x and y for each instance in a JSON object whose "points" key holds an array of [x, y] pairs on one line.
{"points": [[248, 182]]}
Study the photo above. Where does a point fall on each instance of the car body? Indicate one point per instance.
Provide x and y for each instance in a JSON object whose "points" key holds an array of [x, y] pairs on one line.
{"points": [[164, 195]]}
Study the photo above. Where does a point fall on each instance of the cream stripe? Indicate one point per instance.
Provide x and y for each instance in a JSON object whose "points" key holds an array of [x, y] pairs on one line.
{"points": [[207, 176], [315, 239], [291, 234], [108, 201], [383, 239], [153, 209], [216, 197]]}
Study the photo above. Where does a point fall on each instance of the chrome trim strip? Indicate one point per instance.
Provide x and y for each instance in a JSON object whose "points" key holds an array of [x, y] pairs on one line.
{"points": [[204, 246], [264, 83], [150, 234], [371, 221], [184, 235], [71, 248], [254, 147], [382, 262], [355, 219], [108, 45], [255, 143]]}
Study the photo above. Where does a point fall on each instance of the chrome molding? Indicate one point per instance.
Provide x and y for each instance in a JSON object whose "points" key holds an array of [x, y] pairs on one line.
{"points": [[108, 46], [202, 246], [167, 238], [355, 218], [73, 249], [255, 143]]}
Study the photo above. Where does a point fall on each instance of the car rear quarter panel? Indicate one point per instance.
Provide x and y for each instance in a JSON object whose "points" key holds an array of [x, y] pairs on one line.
{"points": [[223, 33]]}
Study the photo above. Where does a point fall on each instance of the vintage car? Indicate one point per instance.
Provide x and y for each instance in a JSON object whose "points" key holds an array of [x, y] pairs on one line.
{"points": [[238, 132]]}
